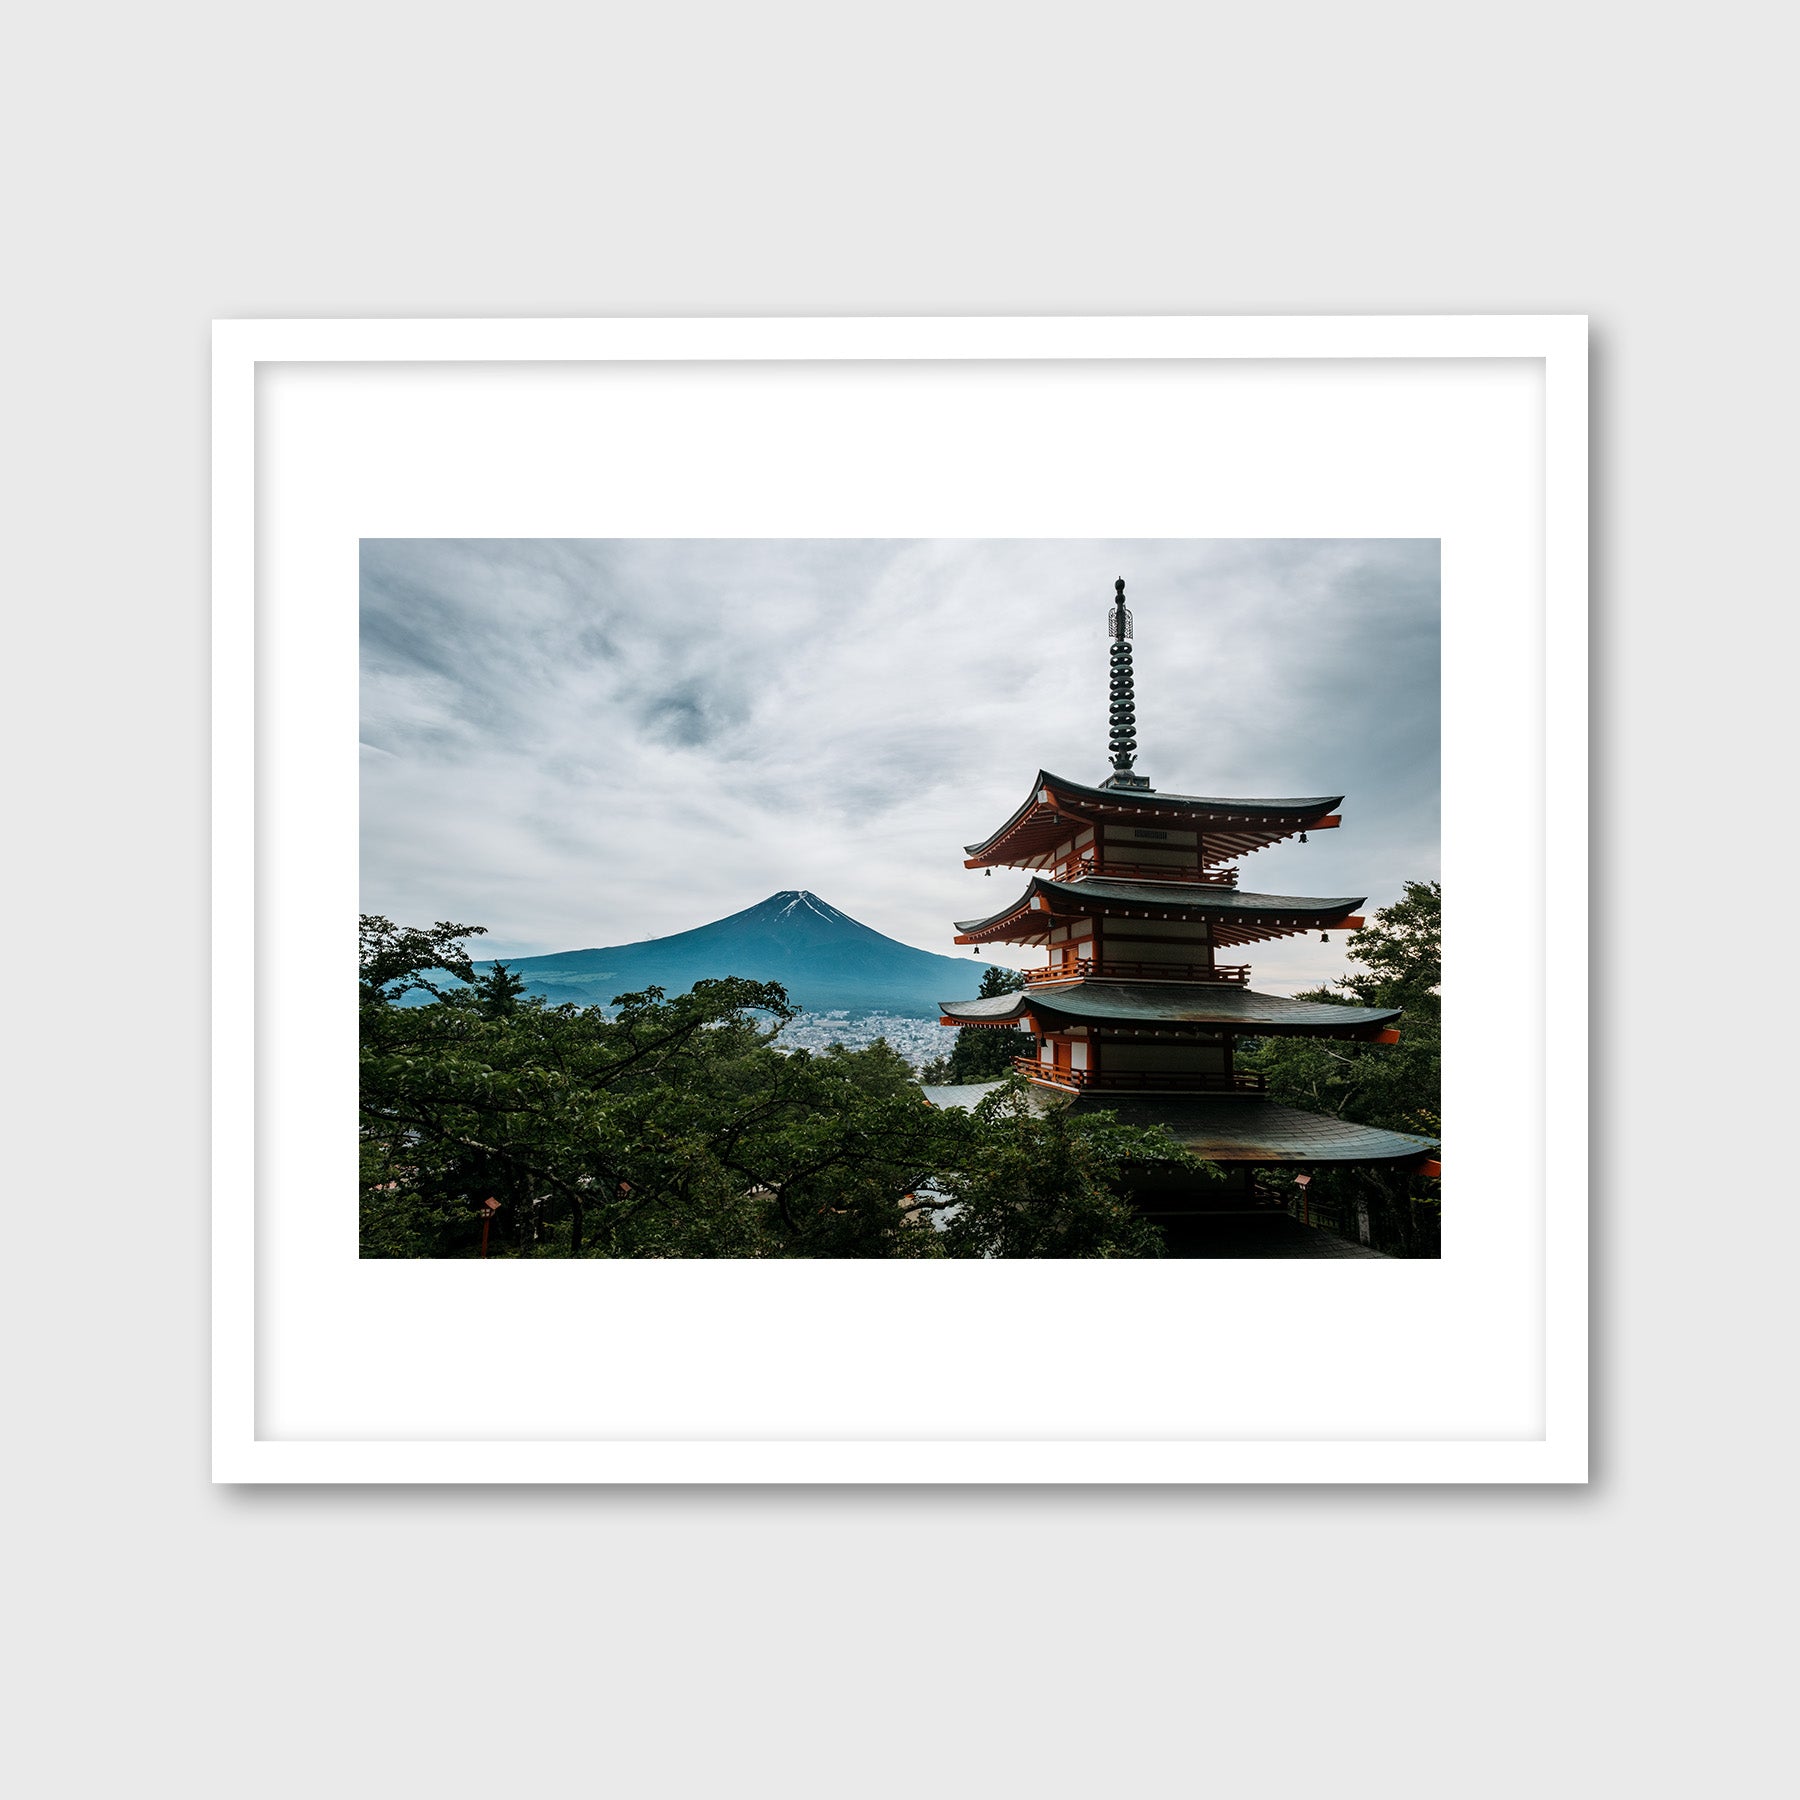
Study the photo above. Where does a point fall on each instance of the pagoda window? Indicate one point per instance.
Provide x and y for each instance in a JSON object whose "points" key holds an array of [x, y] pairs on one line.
{"points": [[1078, 1056], [1060, 935], [1086, 838]]}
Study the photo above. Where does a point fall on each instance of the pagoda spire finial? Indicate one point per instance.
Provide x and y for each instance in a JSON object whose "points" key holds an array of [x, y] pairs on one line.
{"points": [[1122, 737]]}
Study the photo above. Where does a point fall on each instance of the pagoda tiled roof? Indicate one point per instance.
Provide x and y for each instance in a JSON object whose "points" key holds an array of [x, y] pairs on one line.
{"points": [[1201, 1004], [1265, 821], [1231, 1128], [1245, 1129], [1189, 899]]}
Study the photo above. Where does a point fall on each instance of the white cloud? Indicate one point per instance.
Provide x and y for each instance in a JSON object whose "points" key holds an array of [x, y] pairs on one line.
{"points": [[590, 742]]}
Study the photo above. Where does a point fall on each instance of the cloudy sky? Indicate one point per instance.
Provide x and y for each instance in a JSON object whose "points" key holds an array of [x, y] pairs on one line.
{"points": [[589, 741]]}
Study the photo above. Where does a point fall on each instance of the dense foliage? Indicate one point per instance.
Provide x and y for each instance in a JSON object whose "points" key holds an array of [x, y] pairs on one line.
{"points": [[982, 1052], [1393, 1086], [677, 1127]]}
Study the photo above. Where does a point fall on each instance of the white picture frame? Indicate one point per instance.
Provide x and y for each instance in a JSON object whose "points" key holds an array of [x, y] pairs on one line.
{"points": [[1469, 429]]}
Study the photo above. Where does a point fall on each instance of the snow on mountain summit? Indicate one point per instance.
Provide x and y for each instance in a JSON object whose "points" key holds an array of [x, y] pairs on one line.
{"points": [[796, 897]]}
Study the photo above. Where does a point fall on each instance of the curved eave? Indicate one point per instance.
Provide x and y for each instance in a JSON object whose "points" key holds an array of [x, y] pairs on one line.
{"points": [[1235, 917], [1174, 1006], [1231, 827], [1224, 1128], [1228, 1129]]}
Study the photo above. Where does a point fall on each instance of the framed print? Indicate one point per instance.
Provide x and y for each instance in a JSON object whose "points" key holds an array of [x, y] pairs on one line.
{"points": [[856, 900]]}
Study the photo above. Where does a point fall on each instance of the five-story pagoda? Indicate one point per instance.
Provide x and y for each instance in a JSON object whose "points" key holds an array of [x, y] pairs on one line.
{"points": [[1134, 894]]}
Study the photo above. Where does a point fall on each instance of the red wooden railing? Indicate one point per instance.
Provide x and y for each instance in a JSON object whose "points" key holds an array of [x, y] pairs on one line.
{"points": [[1187, 1081], [1112, 968]]}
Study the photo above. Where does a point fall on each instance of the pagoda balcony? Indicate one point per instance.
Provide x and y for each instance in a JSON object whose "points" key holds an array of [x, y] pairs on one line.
{"points": [[1114, 968], [1185, 1081], [1118, 869]]}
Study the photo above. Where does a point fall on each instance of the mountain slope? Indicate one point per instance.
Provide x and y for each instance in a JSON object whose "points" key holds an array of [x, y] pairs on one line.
{"points": [[824, 958]]}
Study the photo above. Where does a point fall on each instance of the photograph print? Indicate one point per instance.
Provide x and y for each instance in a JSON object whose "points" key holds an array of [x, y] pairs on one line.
{"points": [[916, 898]]}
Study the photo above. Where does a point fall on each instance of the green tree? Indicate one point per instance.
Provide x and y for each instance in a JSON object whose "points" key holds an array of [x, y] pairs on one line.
{"points": [[1051, 1182], [395, 958], [676, 1127], [1396, 1087], [498, 992], [983, 1052], [1401, 950]]}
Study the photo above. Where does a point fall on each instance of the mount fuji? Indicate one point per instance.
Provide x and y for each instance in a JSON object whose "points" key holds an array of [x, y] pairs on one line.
{"points": [[823, 957]]}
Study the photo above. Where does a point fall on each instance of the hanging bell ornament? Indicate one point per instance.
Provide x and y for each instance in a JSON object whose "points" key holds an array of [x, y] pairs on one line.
{"points": [[1324, 937], [1303, 837]]}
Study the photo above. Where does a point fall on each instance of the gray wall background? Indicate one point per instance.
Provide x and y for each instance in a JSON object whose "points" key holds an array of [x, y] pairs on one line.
{"points": [[174, 164]]}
